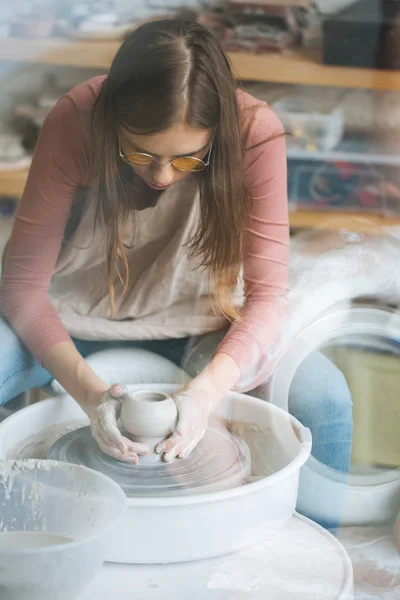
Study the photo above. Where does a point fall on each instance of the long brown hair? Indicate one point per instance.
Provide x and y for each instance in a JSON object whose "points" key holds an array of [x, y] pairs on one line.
{"points": [[166, 71]]}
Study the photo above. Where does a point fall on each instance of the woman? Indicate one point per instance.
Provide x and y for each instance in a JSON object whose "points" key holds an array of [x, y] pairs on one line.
{"points": [[149, 192]]}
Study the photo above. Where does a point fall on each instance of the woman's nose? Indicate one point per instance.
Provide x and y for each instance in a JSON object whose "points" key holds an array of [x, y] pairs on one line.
{"points": [[163, 176]]}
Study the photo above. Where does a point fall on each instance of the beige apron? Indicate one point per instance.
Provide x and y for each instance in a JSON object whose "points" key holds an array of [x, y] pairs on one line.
{"points": [[168, 293]]}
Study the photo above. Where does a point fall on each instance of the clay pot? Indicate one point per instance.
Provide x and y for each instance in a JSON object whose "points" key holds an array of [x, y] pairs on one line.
{"points": [[149, 416]]}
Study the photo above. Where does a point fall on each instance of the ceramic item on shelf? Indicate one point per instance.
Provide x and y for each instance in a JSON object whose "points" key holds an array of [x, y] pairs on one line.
{"points": [[10, 148], [101, 27], [31, 114], [314, 122], [149, 416], [99, 22], [50, 93], [13, 156], [114, 33]]}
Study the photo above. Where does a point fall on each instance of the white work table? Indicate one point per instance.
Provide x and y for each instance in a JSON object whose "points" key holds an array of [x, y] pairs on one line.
{"points": [[189, 581], [375, 560], [299, 562]]}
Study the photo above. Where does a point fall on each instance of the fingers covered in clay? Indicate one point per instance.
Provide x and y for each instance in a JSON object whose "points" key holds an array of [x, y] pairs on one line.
{"points": [[187, 444], [193, 414], [183, 448], [187, 448], [117, 390], [112, 451], [110, 432], [137, 447], [169, 443], [125, 451], [105, 429], [181, 444]]}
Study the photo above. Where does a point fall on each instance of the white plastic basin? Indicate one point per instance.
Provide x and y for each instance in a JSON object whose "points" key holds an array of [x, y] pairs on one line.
{"points": [[56, 521]]}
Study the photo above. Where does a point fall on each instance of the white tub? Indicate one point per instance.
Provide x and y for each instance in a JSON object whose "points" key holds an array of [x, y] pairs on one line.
{"points": [[73, 503], [360, 498], [166, 530]]}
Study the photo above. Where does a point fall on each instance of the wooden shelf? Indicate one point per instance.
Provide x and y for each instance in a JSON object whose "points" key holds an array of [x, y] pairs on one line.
{"points": [[306, 68], [335, 221], [299, 67], [59, 52], [12, 184]]}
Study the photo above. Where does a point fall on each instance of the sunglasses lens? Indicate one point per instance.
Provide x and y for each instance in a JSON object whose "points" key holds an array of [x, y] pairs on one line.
{"points": [[188, 163], [138, 160]]}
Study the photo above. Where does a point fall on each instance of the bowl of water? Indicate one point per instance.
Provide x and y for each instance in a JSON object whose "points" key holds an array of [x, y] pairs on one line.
{"points": [[56, 520]]}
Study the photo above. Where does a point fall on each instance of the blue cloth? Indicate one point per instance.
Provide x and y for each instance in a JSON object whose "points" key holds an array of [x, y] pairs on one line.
{"points": [[320, 399], [20, 371]]}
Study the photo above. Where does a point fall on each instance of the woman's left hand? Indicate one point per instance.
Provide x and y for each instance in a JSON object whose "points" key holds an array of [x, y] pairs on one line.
{"points": [[196, 402], [193, 413]]}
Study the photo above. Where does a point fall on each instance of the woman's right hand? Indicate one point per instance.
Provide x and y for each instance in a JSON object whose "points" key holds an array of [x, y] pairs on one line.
{"points": [[103, 424]]}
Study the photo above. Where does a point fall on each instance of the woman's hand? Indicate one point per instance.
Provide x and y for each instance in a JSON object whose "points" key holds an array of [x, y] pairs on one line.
{"points": [[101, 403], [193, 412], [103, 424], [196, 402]]}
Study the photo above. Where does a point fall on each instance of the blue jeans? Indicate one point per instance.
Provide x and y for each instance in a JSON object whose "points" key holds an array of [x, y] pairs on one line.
{"points": [[319, 397]]}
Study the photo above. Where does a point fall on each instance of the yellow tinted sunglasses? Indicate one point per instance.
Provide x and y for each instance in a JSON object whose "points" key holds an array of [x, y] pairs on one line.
{"points": [[181, 163]]}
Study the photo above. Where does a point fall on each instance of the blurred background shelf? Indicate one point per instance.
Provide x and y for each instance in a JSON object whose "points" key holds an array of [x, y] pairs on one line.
{"points": [[13, 183], [5, 232], [350, 151], [59, 52], [335, 221], [297, 67], [306, 68], [300, 67]]}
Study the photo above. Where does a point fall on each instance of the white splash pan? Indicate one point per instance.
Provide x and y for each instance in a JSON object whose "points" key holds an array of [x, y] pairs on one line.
{"points": [[325, 494], [178, 529]]}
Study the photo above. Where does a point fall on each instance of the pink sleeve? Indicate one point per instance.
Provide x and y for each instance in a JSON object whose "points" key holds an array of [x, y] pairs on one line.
{"points": [[266, 259], [59, 168]]}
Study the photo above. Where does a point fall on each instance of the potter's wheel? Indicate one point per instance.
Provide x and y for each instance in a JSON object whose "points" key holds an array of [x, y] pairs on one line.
{"points": [[221, 461], [176, 529]]}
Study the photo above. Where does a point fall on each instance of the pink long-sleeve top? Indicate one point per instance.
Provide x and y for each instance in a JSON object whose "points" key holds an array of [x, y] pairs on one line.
{"points": [[62, 165]]}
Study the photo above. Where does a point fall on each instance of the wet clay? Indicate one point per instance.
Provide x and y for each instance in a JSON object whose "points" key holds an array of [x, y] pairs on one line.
{"points": [[38, 444], [220, 461], [149, 416]]}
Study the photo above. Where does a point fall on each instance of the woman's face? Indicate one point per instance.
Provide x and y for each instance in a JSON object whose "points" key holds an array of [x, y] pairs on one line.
{"points": [[180, 140]]}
